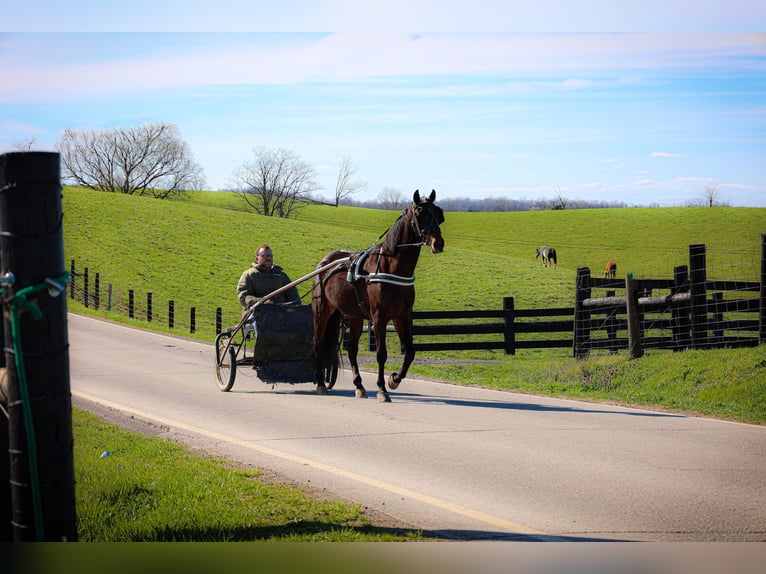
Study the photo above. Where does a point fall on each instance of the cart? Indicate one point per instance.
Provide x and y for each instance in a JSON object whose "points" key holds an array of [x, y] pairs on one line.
{"points": [[275, 340]]}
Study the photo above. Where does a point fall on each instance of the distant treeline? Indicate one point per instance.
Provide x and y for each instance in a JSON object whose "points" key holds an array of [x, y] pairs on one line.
{"points": [[497, 204]]}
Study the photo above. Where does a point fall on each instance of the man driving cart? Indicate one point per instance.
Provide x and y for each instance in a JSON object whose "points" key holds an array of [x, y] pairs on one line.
{"points": [[262, 278]]}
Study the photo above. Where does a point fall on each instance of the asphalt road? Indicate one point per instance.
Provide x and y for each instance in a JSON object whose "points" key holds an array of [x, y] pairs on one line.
{"points": [[464, 463]]}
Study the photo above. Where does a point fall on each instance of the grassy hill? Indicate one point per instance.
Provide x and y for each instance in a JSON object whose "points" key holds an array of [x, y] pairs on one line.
{"points": [[192, 250]]}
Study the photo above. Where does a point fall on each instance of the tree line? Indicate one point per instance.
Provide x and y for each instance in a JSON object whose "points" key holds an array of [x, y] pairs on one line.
{"points": [[152, 159]]}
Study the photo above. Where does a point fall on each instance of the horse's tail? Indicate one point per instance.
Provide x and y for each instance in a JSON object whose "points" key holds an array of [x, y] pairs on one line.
{"points": [[552, 255], [326, 330]]}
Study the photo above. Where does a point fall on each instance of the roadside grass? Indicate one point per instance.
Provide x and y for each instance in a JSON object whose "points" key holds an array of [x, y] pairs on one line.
{"points": [[153, 490]]}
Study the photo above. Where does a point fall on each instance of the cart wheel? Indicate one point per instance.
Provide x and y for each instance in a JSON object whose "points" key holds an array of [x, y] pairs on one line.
{"points": [[226, 371], [331, 373]]}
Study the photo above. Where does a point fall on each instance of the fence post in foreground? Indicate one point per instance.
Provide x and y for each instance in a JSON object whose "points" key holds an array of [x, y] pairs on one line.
{"points": [[634, 318], [39, 403]]}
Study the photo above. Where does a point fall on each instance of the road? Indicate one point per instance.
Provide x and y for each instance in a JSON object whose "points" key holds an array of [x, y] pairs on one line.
{"points": [[461, 463]]}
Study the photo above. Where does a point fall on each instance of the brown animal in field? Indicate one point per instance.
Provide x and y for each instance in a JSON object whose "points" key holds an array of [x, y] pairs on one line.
{"points": [[610, 270]]}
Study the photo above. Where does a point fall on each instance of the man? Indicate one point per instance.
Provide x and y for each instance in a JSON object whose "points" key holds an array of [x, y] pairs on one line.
{"points": [[262, 278]]}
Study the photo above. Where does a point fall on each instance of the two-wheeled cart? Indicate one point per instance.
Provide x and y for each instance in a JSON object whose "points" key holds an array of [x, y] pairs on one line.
{"points": [[275, 340]]}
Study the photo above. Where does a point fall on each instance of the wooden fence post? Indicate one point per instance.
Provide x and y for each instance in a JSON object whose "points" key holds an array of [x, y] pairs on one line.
{"points": [[634, 318], [581, 336], [131, 303], [698, 278], [85, 288], [218, 320], [96, 292], [149, 307], [71, 279], [192, 320], [171, 314], [509, 333]]}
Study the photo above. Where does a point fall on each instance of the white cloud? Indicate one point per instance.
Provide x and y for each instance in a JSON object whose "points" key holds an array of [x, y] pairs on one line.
{"points": [[664, 154]]}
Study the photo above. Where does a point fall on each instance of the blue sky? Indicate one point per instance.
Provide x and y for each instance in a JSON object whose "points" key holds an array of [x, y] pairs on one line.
{"points": [[641, 117]]}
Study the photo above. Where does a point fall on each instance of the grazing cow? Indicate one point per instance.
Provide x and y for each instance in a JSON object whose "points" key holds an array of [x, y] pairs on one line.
{"points": [[610, 270]]}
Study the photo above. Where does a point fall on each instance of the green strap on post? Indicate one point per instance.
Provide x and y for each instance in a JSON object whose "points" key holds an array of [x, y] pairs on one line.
{"points": [[21, 302]]}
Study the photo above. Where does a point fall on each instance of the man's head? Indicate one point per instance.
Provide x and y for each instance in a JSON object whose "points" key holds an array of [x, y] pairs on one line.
{"points": [[264, 257]]}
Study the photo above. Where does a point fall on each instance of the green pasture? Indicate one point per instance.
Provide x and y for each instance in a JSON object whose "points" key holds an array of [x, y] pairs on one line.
{"points": [[192, 250]]}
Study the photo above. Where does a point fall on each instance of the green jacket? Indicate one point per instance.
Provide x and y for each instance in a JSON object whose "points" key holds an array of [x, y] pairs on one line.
{"points": [[256, 282]]}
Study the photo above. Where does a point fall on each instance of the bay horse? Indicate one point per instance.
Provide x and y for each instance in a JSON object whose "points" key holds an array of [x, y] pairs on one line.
{"points": [[610, 271], [377, 284], [548, 254]]}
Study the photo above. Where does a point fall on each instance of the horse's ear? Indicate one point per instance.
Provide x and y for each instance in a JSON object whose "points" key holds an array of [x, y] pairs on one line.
{"points": [[432, 196], [416, 196]]}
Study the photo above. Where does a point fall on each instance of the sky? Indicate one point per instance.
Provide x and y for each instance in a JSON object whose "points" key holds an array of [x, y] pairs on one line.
{"points": [[490, 100]]}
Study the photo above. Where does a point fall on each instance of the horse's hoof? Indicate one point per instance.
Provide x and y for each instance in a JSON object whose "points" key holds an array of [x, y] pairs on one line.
{"points": [[321, 390], [360, 393], [383, 397], [393, 384]]}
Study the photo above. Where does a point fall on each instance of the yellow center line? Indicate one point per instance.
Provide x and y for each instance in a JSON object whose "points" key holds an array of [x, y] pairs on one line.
{"points": [[495, 521]]}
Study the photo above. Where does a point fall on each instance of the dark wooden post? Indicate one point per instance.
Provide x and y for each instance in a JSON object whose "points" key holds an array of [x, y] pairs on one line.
{"points": [[171, 314], [680, 314], [218, 320], [36, 346], [71, 280], [85, 288], [581, 338], [97, 292], [509, 332], [192, 320], [697, 280], [149, 307], [762, 314], [131, 303]]}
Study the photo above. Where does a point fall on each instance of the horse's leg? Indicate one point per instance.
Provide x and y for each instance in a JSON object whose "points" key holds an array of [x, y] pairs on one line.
{"points": [[355, 327], [321, 320], [405, 338], [379, 328]]}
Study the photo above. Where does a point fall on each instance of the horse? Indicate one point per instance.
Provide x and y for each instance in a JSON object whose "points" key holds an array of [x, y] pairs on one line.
{"points": [[548, 254], [378, 285], [610, 271]]}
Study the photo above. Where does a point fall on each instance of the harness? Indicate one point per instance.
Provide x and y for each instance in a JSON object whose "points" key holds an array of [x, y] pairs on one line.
{"points": [[356, 271]]}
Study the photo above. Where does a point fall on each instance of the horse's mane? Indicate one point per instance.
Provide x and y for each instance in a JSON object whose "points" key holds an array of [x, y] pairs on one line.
{"points": [[396, 232]]}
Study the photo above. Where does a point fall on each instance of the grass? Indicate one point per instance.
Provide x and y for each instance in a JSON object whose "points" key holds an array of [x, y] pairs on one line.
{"points": [[153, 490]]}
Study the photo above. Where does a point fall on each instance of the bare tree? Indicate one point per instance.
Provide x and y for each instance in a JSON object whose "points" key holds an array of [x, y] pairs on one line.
{"points": [[27, 145], [345, 187], [148, 160], [711, 195], [276, 182], [560, 202], [391, 198]]}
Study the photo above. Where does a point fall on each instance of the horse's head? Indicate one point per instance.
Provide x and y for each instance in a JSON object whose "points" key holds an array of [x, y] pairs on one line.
{"points": [[426, 218], [538, 251]]}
